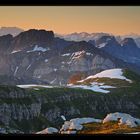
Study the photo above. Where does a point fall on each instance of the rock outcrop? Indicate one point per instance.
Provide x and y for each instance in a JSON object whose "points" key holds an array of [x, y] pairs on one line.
{"points": [[122, 118]]}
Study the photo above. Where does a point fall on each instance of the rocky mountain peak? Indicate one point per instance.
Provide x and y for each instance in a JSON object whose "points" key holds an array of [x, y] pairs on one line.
{"points": [[5, 42], [106, 39], [128, 42], [32, 37], [35, 34], [5, 37], [80, 46]]}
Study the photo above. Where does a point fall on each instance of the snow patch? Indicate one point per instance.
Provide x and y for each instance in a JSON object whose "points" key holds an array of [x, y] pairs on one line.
{"points": [[108, 39], [106, 86], [16, 70], [102, 45], [28, 67], [100, 87], [69, 62], [63, 62], [33, 85], [36, 48], [95, 86], [112, 73], [89, 53], [60, 83], [55, 69], [39, 76], [46, 60], [53, 81], [77, 55], [15, 51], [66, 54], [84, 120], [133, 133], [36, 88], [63, 117], [49, 130], [70, 127]]}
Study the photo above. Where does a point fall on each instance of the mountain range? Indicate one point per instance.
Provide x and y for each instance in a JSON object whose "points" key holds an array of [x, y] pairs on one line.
{"points": [[84, 36], [44, 76], [38, 56], [109, 43]]}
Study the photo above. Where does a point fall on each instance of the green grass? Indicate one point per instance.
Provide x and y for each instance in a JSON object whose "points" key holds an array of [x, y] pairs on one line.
{"points": [[131, 75]]}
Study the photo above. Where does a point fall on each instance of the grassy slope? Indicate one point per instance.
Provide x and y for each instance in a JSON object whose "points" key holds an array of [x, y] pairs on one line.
{"points": [[107, 128], [80, 99]]}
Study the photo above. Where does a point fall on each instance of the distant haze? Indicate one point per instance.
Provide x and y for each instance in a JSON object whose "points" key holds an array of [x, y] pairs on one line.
{"points": [[10, 30], [117, 20]]}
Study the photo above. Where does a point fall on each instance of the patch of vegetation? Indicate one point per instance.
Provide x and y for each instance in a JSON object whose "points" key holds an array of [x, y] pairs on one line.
{"points": [[26, 101], [15, 95], [107, 128], [32, 125], [131, 75], [107, 81]]}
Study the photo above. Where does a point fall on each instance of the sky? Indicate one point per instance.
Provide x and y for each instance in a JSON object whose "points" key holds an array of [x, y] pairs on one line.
{"points": [[117, 20]]}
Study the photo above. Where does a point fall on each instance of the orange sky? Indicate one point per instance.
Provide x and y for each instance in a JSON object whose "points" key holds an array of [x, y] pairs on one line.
{"points": [[68, 19]]}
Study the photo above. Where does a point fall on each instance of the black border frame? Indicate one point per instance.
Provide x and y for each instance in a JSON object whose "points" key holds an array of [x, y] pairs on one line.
{"points": [[70, 3]]}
